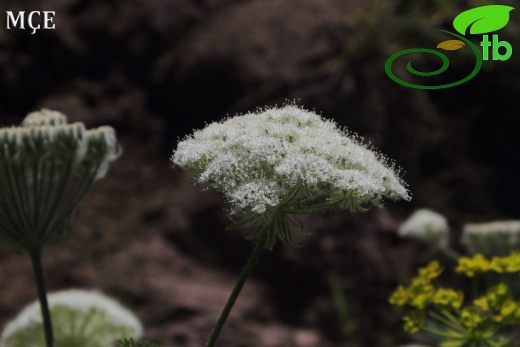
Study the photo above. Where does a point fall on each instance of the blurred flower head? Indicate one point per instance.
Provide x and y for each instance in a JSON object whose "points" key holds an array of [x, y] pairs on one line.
{"points": [[46, 167], [81, 319], [492, 239], [283, 161], [427, 226]]}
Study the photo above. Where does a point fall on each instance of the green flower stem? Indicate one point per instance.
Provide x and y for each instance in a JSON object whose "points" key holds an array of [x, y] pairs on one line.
{"points": [[36, 258], [453, 254], [246, 271]]}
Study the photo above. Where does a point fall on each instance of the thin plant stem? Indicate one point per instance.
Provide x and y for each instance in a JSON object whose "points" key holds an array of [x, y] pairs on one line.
{"points": [[246, 271], [453, 254], [36, 259]]}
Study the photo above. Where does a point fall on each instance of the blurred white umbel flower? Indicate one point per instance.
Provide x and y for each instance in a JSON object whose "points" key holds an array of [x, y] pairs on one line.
{"points": [[284, 161], [427, 226], [46, 167], [81, 319], [498, 238]]}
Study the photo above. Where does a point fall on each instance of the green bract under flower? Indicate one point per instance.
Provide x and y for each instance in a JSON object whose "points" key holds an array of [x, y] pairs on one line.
{"points": [[284, 161], [81, 319], [46, 167]]}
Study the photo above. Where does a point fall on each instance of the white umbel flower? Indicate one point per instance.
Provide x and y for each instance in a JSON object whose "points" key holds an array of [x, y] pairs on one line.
{"points": [[498, 238], [81, 318], [427, 226], [44, 117], [287, 161], [46, 167]]}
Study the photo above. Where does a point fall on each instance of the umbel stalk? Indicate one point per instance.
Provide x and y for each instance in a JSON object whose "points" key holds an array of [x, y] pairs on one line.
{"points": [[36, 259], [246, 271]]}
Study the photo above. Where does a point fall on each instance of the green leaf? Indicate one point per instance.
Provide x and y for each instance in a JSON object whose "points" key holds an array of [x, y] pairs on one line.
{"points": [[483, 19]]}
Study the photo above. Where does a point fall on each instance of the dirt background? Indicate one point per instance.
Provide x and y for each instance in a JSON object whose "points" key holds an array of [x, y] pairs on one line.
{"points": [[157, 69]]}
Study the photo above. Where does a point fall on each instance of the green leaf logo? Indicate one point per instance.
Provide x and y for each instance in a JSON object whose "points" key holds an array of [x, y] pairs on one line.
{"points": [[483, 19]]}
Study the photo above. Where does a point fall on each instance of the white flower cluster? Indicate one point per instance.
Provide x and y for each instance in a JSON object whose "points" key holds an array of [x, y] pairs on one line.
{"points": [[45, 134], [80, 318], [492, 239], [427, 226], [288, 159], [44, 117], [46, 166]]}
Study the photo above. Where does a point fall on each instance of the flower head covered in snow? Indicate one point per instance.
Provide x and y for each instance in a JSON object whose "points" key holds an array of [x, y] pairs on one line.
{"points": [[46, 167], [427, 226], [82, 318], [284, 161]]}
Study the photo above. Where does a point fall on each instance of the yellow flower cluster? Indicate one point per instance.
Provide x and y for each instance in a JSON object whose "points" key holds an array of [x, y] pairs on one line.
{"points": [[422, 292], [472, 324], [498, 301], [471, 266], [507, 264], [413, 321], [448, 298], [430, 271], [479, 264], [470, 318]]}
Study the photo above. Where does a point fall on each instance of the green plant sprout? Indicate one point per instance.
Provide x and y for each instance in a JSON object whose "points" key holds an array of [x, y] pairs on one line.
{"points": [[280, 162], [82, 319], [46, 167]]}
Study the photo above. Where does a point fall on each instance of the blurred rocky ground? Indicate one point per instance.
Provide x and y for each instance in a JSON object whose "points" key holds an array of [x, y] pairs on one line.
{"points": [[157, 69]]}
